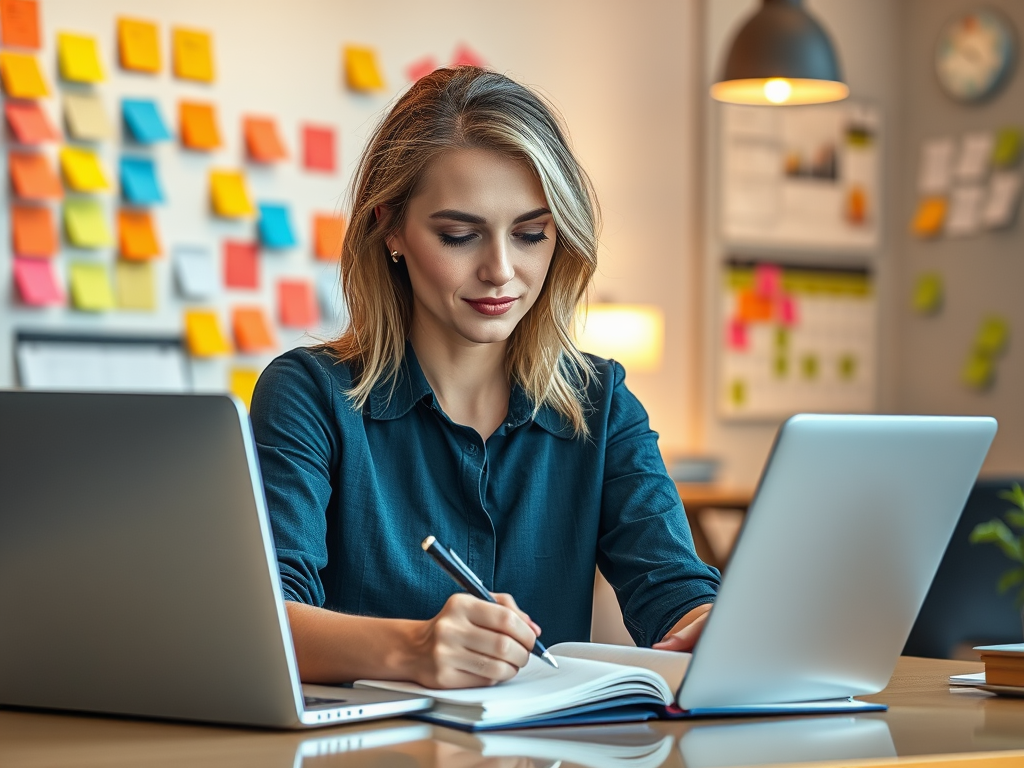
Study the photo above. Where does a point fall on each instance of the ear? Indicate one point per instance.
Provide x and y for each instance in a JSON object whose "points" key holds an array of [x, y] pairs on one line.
{"points": [[378, 211]]}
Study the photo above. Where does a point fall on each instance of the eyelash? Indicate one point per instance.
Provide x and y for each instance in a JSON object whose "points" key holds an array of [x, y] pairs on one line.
{"points": [[530, 238]]}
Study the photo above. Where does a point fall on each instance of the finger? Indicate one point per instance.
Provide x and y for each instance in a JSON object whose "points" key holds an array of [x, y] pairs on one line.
{"points": [[481, 665], [686, 638], [509, 602], [505, 621]]}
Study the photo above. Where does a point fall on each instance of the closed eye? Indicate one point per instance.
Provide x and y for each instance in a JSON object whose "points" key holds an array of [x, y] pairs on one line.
{"points": [[453, 240], [532, 238]]}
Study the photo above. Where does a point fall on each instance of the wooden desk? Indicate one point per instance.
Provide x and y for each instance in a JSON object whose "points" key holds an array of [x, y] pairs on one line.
{"points": [[964, 728], [698, 497]]}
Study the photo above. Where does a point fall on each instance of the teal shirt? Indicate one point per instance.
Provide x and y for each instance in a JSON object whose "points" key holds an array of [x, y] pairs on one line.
{"points": [[532, 510]]}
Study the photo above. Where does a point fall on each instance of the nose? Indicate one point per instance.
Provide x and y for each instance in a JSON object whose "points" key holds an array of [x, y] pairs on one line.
{"points": [[496, 264]]}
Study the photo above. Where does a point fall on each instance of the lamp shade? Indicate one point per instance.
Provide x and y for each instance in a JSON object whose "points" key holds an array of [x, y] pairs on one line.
{"points": [[781, 56], [632, 334]]}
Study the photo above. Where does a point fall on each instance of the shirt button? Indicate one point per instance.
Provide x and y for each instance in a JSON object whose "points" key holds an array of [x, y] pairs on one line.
{"points": [[472, 448]]}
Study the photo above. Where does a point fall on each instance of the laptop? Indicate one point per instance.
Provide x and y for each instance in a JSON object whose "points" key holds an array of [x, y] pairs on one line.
{"points": [[137, 569]]}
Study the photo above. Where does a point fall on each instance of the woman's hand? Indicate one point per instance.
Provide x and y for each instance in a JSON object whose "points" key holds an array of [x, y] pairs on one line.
{"points": [[683, 636]]}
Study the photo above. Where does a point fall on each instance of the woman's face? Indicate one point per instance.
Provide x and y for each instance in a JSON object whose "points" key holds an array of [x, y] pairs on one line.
{"points": [[477, 240]]}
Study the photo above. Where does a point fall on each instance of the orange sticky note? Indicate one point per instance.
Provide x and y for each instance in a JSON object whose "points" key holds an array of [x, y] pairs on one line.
{"points": [[198, 123], [228, 194], [243, 384], [137, 235], [21, 75], [138, 45], [203, 334], [752, 308], [79, 59], [19, 23], [328, 232], [362, 73], [34, 231], [297, 304], [29, 122], [37, 283], [193, 55], [930, 216], [262, 140], [252, 329], [33, 178], [318, 147]]}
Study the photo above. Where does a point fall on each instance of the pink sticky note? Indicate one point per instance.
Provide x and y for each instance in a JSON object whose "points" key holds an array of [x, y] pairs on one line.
{"points": [[788, 311], [37, 284], [737, 335], [296, 304], [318, 148], [241, 265], [767, 280], [420, 68], [465, 56]]}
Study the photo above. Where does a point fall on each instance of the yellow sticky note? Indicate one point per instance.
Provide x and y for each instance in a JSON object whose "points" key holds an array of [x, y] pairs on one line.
{"points": [[928, 293], [229, 195], [79, 58], [139, 45], [203, 334], [361, 70], [992, 337], [979, 371], [243, 382], [930, 216], [193, 55], [90, 287], [22, 77], [86, 222], [86, 117], [135, 286], [82, 170]]}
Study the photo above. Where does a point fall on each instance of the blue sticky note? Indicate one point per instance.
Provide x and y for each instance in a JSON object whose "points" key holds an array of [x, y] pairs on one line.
{"points": [[139, 184], [275, 229], [144, 121]]}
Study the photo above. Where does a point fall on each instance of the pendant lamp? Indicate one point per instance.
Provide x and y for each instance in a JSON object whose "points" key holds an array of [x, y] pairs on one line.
{"points": [[781, 56]]}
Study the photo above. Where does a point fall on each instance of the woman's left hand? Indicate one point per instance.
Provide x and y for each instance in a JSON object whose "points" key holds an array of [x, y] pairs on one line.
{"points": [[683, 636]]}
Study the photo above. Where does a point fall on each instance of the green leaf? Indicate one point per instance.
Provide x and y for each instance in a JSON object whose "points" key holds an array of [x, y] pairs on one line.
{"points": [[1011, 578], [996, 532], [1015, 518], [1015, 494]]}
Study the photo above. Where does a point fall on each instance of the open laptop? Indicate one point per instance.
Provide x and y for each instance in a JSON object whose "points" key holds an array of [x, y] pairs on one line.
{"points": [[137, 568]]}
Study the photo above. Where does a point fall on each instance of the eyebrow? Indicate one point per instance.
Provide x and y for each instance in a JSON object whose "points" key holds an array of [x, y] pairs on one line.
{"points": [[469, 218]]}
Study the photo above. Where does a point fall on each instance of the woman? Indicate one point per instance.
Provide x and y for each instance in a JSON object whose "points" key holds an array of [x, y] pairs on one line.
{"points": [[456, 404]]}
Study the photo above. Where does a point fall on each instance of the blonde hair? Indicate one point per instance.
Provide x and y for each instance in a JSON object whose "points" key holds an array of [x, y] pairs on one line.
{"points": [[469, 107]]}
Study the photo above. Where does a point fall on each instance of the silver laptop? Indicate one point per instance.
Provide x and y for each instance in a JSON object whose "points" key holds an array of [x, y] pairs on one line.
{"points": [[137, 568]]}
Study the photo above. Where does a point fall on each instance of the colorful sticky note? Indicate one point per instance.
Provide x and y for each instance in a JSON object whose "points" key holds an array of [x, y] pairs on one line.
{"points": [[85, 221], [1007, 149], [262, 140], [19, 23], [296, 304], [144, 121], [979, 371], [241, 265], [362, 73], [275, 228], [243, 384], [34, 232], [928, 293], [420, 68], [82, 170], [78, 58], [228, 194], [252, 329], [29, 122], [21, 76], [139, 184], [195, 272], [736, 336], [136, 287], [138, 45], [328, 232], [318, 148], [33, 178], [86, 118], [90, 287], [767, 280], [37, 282], [465, 56], [753, 308], [193, 55], [198, 125], [788, 311], [993, 336], [931, 213], [203, 334], [137, 235]]}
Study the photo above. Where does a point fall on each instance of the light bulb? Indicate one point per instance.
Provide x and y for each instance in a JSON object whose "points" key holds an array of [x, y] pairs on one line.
{"points": [[777, 90]]}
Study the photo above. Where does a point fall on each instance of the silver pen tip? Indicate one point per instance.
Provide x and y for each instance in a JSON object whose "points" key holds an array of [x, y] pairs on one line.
{"points": [[550, 659], [427, 542]]}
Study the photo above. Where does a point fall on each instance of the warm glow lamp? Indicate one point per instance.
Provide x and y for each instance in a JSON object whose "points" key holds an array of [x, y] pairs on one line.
{"points": [[632, 334], [780, 56]]}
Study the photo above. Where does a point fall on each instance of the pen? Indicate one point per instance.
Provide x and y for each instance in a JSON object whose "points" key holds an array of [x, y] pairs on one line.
{"points": [[469, 581]]}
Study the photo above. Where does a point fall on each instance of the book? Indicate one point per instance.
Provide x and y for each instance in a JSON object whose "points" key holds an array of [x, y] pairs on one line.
{"points": [[1004, 664]]}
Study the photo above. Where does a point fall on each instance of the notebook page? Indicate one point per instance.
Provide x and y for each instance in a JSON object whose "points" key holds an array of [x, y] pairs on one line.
{"points": [[671, 665]]}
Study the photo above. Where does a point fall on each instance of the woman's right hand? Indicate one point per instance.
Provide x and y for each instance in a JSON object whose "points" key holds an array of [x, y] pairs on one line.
{"points": [[472, 643]]}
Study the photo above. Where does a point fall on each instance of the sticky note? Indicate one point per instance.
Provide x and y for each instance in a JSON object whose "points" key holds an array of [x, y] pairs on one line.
{"points": [[19, 23], [85, 221], [979, 371], [975, 156], [193, 54], [936, 170], [144, 121], [1003, 199], [465, 56], [29, 122], [928, 293], [203, 334], [139, 184], [241, 265], [328, 232], [138, 45], [296, 304], [137, 235], [21, 76], [752, 308], [195, 272], [90, 287], [243, 384], [136, 286], [318, 148], [262, 140], [362, 72], [34, 232], [809, 366], [420, 68], [37, 282], [993, 336], [198, 125], [33, 178], [931, 213], [1007, 150], [738, 392], [736, 336], [275, 228], [78, 57], [82, 170], [964, 213], [252, 329], [767, 280], [86, 117], [788, 311], [228, 194]]}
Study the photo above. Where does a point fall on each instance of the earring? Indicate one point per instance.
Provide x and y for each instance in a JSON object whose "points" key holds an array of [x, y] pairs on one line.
{"points": [[395, 256]]}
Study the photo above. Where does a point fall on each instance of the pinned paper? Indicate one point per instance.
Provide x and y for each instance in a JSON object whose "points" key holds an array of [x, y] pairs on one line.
{"points": [[86, 118], [965, 211], [198, 125], [318, 148], [241, 265], [752, 308], [79, 58], [228, 194], [252, 330], [19, 23], [328, 232], [144, 121], [203, 334], [767, 280], [193, 55], [465, 56], [85, 221], [275, 228], [931, 213], [138, 45], [979, 372], [420, 68], [262, 140], [136, 286], [362, 73], [975, 156], [34, 232], [37, 283], [29, 122], [21, 75], [736, 337], [82, 170], [936, 173], [993, 336], [33, 178], [296, 304], [137, 235], [195, 272], [928, 293], [1007, 150], [1000, 209], [90, 287], [139, 184], [243, 384]]}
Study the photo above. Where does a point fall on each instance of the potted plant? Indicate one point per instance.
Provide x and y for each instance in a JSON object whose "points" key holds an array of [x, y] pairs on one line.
{"points": [[1002, 534]]}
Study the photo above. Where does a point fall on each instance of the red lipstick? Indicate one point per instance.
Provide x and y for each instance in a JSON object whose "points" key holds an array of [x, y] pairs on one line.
{"points": [[492, 307]]}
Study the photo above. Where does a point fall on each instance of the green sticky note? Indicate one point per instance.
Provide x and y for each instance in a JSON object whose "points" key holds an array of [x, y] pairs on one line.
{"points": [[979, 371], [929, 292], [847, 367], [809, 366], [992, 336], [781, 338], [90, 287], [780, 367], [1006, 151], [86, 223], [738, 392]]}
